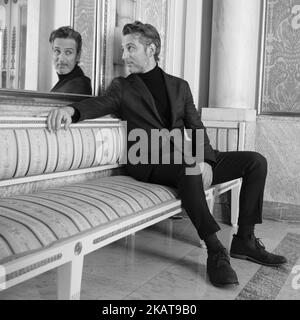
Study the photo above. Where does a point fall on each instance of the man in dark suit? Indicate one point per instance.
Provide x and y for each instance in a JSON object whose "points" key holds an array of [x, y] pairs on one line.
{"points": [[150, 99]]}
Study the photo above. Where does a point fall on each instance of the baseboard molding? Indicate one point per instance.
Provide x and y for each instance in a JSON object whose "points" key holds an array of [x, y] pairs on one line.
{"points": [[281, 211], [271, 211], [276, 211]]}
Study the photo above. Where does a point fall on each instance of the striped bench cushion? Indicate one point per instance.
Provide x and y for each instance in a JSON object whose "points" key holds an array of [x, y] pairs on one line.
{"points": [[33, 221]]}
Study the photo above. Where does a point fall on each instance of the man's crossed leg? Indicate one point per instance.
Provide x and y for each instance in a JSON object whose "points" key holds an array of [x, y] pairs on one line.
{"points": [[250, 166]]}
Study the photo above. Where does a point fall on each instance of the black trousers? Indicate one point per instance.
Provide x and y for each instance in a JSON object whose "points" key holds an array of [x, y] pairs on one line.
{"points": [[251, 166]]}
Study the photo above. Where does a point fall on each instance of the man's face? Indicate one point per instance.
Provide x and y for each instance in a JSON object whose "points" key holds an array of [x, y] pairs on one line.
{"points": [[64, 53], [137, 58]]}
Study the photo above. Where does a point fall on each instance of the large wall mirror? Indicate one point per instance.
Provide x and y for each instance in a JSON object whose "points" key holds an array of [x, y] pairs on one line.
{"points": [[26, 54], [26, 66]]}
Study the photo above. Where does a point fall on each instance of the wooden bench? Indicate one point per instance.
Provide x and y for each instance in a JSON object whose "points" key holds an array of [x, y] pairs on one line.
{"points": [[64, 195]]}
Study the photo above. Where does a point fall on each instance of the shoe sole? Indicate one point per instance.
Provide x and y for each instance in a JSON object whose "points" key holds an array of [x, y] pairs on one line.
{"points": [[225, 285], [222, 285], [243, 257]]}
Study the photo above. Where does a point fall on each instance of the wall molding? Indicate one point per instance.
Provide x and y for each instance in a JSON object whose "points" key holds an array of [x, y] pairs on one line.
{"points": [[283, 212]]}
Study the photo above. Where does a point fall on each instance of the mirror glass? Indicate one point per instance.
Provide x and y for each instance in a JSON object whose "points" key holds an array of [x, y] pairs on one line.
{"points": [[25, 51]]}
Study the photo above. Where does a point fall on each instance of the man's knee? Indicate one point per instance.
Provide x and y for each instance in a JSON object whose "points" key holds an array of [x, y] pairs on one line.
{"points": [[259, 162]]}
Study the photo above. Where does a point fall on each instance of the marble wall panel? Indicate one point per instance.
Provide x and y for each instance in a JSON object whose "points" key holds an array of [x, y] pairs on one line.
{"points": [[85, 23], [278, 140], [281, 73]]}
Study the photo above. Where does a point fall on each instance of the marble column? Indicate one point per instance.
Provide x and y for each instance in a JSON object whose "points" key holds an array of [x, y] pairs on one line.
{"points": [[192, 54], [234, 53]]}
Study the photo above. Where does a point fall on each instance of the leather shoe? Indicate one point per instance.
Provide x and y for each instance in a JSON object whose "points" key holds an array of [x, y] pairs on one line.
{"points": [[219, 269], [253, 249]]}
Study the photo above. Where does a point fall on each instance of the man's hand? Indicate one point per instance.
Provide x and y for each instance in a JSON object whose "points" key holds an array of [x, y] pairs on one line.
{"points": [[207, 174], [59, 116]]}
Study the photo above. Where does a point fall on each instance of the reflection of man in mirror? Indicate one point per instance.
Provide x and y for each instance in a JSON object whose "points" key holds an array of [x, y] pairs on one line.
{"points": [[66, 48]]}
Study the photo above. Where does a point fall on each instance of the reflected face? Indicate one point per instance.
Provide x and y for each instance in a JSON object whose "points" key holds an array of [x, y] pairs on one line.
{"points": [[137, 57], [65, 56]]}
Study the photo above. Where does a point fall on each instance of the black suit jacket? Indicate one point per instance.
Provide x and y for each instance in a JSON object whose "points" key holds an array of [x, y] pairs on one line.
{"points": [[74, 82], [129, 99]]}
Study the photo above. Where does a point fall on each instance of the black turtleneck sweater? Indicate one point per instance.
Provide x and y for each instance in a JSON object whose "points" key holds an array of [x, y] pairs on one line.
{"points": [[155, 82], [74, 82]]}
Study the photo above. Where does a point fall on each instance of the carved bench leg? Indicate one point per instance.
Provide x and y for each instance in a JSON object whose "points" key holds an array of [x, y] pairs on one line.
{"points": [[235, 200], [130, 240], [69, 279]]}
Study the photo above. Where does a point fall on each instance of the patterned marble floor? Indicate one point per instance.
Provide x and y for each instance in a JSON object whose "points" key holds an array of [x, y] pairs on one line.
{"points": [[166, 262]]}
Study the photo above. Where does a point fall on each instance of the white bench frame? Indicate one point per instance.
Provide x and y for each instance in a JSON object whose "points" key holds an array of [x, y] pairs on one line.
{"points": [[68, 255], [234, 185]]}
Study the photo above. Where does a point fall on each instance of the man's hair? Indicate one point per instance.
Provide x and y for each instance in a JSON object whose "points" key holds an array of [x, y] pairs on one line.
{"points": [[147, 33], [67, 33]]}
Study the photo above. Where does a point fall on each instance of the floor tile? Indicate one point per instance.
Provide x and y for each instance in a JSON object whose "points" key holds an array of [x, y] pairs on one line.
{"points": [[166, 261]]}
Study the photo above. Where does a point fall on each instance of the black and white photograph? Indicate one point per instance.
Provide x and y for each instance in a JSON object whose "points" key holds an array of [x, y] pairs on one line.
{"points": [[149, 153]]}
